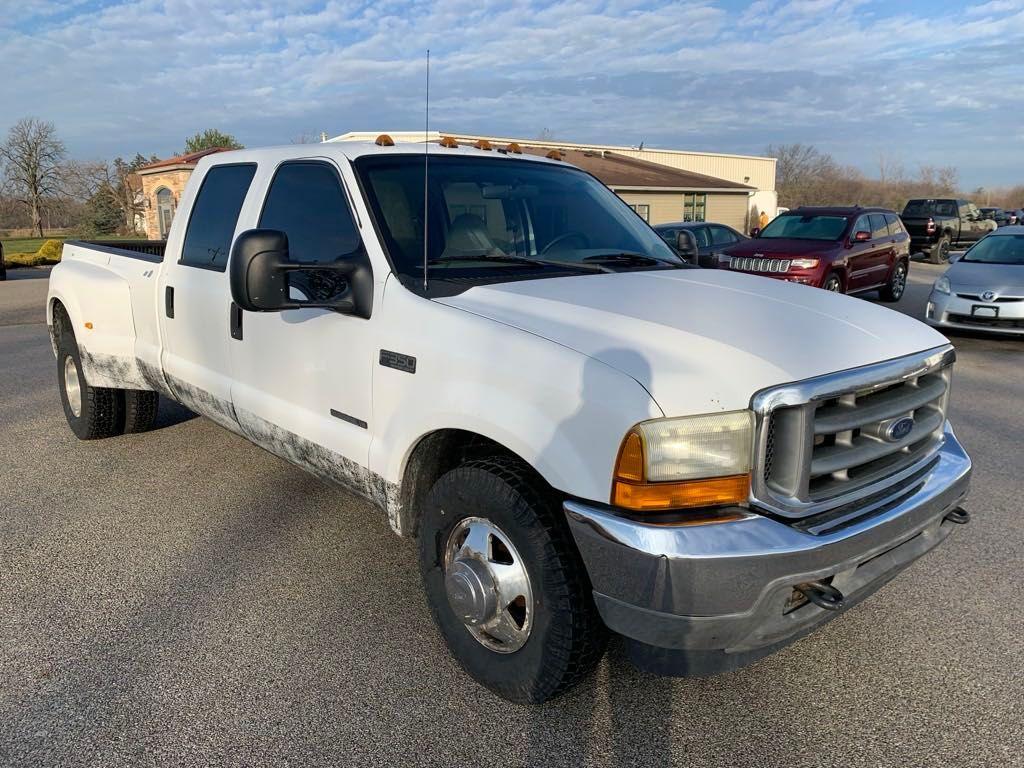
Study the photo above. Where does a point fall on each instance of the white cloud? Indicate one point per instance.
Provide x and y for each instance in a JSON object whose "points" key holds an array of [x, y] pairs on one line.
{"points": [[143, 74]]}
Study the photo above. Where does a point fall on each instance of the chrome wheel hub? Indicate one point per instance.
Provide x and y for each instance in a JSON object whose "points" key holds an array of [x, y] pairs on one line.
{"points": [[72, 387], [487, 585], [899, 281], [472, 592]]}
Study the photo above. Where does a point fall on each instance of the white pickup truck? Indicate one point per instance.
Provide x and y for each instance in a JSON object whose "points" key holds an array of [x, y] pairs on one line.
{"points": [[582, 432]]}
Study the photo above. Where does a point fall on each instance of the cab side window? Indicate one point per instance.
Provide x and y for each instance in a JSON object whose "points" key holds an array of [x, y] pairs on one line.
{"points": [[307, 203], [722, 236], [703, 237], [879, 228], [215, 215], [895, 224]]}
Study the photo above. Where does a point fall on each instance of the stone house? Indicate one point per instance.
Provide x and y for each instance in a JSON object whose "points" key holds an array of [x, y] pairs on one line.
{"points": [[162, 185]]}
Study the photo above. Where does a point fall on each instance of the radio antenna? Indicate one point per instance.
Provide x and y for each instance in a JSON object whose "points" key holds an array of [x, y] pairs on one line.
{"points": [[426, 168]]}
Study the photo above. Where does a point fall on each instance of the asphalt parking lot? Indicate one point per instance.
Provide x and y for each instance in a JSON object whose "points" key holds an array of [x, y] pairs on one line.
{"points": [[183, 598]]}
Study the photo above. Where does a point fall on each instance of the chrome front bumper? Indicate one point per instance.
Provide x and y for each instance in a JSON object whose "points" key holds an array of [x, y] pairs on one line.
{"points": [[707, 598]]}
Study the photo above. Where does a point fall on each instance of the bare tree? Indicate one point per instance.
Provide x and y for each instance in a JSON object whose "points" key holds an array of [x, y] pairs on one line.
{"points": [[32, 156]]}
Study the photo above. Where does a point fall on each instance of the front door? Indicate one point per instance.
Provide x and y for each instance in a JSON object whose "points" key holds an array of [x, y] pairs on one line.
{"points": [[877, 260], [194, 299], [302, 376]]}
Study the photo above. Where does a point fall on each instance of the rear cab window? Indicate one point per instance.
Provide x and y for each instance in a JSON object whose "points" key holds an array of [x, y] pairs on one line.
{"points": [[895, 224], [722, 236], [879, 227], [214, 216]]}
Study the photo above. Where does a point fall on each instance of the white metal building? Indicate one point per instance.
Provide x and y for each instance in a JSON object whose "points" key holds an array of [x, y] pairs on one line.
{"points": [[701, 193]]}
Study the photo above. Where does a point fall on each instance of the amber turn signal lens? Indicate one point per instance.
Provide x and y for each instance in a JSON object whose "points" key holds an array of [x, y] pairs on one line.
{"points": [[654, 497], [449, 142], [630, 465], [384, 141]]}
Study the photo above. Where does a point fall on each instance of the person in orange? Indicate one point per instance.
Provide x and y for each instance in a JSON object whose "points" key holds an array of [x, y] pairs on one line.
{"points": [[763, 220]]}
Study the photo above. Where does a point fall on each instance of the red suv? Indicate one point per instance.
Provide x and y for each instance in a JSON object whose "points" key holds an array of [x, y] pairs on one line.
{"points": [[848, 250]]}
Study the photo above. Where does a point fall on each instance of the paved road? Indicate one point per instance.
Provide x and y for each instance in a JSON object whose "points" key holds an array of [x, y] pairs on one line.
{"points": [[183, 598]]}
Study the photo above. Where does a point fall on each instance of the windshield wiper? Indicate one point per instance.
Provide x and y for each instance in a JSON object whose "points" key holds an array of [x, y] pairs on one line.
{"points": [[633, 258], [577, 265]]}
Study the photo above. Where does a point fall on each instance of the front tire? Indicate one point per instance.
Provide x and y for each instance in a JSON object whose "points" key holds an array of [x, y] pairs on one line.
{"points": [[505, 583], [897, 285], [91, 412], [833, 283]]}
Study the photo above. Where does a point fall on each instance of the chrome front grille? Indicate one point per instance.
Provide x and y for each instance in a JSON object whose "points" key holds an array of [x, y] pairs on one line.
{"points": [[828, 443], [994, 300], [752, 264]]}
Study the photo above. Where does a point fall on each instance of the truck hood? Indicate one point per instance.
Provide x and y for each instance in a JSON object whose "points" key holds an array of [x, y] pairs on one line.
{"points": [[702, 340]]}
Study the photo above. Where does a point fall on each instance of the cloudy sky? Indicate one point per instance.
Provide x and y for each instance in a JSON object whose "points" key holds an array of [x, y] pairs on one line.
{"points": [[917, 81]]}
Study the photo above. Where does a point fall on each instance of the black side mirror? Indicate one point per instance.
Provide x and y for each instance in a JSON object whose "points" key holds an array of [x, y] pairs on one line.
{"points": [[686, 244], [260, 268]]}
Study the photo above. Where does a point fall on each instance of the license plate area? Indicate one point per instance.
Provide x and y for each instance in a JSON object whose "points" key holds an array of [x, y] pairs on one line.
{"points": [[982, 310]]}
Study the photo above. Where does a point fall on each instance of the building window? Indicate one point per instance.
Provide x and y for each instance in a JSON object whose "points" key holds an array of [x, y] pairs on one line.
{"points": [[694, 206], [642, 210], [164, 210]]}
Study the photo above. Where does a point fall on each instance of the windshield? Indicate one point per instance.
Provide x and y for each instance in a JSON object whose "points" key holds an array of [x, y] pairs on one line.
{"points": [[502, 218], [997, 249], [793, 226], [920, 208]]}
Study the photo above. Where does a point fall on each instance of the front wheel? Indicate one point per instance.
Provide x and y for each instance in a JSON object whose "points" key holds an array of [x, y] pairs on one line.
{"points": [[833, 283], [505, 583], [893, 290]]}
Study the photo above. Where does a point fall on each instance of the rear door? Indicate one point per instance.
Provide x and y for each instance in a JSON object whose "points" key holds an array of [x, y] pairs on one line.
{"points": [[878, 259], [194, 298], [900, 236]]}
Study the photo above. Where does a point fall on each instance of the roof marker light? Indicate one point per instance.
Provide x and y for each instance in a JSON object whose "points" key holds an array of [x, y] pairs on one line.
{"points": [[384, 141], [514, 149], [554, 154], [449, 142], [484, 144]]}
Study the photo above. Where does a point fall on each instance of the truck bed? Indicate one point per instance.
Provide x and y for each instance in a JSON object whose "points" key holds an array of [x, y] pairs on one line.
{"points": [[109, 290]]}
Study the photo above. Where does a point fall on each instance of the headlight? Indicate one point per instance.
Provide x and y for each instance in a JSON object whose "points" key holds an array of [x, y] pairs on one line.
{"points": [[803, 263], [942, 285], [695, 461]]}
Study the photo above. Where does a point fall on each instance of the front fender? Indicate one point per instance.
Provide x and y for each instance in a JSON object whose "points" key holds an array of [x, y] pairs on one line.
{"points": [[560, 411]]}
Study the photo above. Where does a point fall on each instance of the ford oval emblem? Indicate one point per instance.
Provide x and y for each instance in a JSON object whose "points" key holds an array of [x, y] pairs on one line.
{"points": [[988, 296], [899, 429]]}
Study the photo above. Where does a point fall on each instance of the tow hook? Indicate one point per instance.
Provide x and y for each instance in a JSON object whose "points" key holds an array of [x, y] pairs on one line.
{"points": [[822, 595], [959, 515]]}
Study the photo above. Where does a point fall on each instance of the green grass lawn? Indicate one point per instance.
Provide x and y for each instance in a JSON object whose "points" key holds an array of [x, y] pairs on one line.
{"points": [[29, 245], [25, 244]]}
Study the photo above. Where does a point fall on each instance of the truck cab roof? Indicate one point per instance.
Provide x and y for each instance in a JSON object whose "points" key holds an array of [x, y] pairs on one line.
{"points": [[353, 150]]}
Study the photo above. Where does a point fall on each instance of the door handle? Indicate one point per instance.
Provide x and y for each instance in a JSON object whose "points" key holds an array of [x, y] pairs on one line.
{"points": [[236, 321], [169, 301]]}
